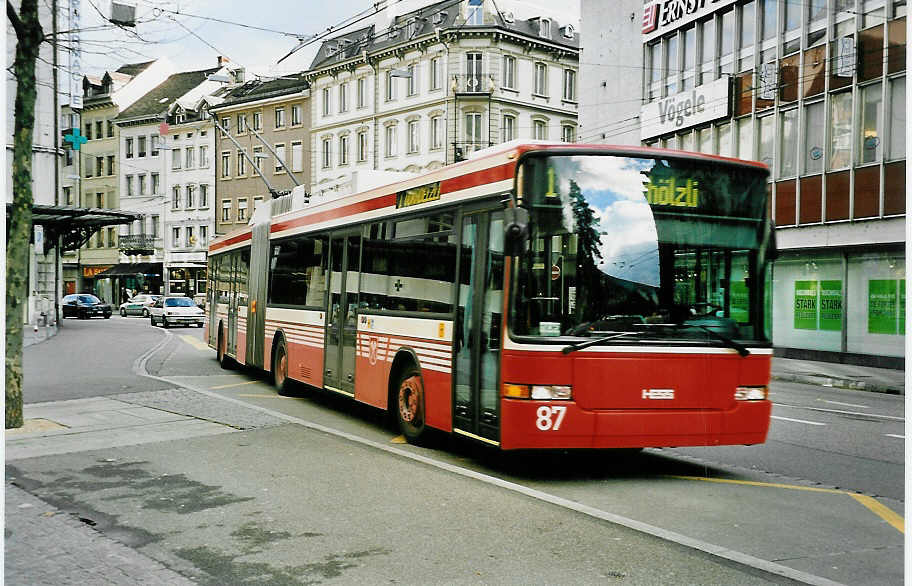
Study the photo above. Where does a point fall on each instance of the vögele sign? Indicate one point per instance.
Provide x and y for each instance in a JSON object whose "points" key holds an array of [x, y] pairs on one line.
{"points": [[703, 104]]}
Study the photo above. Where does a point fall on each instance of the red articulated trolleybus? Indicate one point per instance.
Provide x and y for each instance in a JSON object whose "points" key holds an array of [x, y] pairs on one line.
{"points": [[535, 296]]}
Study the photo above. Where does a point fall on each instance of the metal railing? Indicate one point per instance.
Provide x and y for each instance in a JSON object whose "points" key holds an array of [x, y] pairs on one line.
{"points": [[474, 83]]}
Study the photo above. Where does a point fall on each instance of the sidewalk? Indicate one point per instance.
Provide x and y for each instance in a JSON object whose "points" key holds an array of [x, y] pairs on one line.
{"points": [[844, 376]]}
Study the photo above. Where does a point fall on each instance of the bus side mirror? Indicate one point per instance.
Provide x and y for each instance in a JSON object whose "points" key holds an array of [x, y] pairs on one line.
{"points": [[516, 230], [772, 251]]}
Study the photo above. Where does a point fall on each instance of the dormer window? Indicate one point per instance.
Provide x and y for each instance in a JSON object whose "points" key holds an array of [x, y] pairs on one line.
{"points": [[475, 15], [439, 17], [393, 32], [568, 31], [544, 28]]}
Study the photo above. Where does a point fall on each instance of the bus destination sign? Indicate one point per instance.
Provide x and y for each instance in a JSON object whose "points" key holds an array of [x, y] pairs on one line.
{"points": [[668, 192], [418, 195]]}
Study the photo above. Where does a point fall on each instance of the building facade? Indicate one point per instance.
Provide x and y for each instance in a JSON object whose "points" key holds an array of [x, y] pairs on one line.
{"points": [[816, 90], [155, 159], [261, 125], [418, 90], [103, 99]]}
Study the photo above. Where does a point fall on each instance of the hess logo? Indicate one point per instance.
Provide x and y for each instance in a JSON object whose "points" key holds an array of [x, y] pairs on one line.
{"points": [[660, 394]]}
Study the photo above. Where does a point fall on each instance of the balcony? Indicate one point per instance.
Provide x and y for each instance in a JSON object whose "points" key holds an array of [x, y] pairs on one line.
{"points": [[462, 149], [137, 244], [479, 84]]}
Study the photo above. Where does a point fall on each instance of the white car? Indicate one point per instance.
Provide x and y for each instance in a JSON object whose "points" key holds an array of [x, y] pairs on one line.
{"points": [[176, 310]]}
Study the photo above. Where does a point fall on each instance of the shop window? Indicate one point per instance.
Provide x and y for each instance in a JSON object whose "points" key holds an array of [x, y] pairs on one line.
{"points": [[814, 75], [896, 51], [788, 143], [867, 192], [842, 62], [870, 147], [788, 79], [898, 116], [837, 196], [814, 126], [811, 208], [840, 131], [744, 92], [785, 203], [895, 188], [870, 53]]}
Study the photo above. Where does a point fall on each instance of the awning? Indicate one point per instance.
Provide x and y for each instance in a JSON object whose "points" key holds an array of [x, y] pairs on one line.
{"points": [[73, 225], [132, 269]]}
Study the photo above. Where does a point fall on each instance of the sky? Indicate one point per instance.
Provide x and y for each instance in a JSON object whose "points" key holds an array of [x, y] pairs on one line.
{"points": [[173, 29]]}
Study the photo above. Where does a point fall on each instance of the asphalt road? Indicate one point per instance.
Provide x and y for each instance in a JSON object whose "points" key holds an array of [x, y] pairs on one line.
{"points": [[313, 488]]}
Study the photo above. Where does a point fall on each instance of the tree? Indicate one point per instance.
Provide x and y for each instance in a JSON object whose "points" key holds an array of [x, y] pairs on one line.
{"points": [[29, 37]]}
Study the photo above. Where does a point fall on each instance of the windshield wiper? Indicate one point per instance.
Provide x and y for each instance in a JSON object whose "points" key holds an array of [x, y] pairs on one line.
{"points": [[587, 343], [742, 350]]}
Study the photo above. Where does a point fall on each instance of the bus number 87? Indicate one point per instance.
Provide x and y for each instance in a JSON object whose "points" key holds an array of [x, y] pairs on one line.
{"points": [[550, 418]]}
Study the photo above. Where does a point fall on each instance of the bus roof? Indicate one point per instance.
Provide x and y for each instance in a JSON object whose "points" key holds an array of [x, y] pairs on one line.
{"points": [[489, 172]]}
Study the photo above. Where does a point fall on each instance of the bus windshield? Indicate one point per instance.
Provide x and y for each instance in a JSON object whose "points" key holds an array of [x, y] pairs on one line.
{"points": [[662, 248]]}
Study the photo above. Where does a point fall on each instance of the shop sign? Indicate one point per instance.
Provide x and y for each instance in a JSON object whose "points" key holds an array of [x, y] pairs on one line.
{"points": [[831, 306], [818, 305], [805, 305], [708, 102], [90, 272], [662, 16], [887, 306]]}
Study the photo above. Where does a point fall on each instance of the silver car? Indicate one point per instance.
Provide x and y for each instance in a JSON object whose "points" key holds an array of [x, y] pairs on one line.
{"points": [[176, 310], [138, 305]]}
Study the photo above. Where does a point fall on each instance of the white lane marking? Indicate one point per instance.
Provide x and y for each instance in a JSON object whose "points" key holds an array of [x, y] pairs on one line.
{"points": [[846, 404], [841, 412], [796, 420], [896, 435]]}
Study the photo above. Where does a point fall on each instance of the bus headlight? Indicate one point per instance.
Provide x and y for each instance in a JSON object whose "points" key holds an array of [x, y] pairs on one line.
{"points": [[751, 393], [538, 392]]}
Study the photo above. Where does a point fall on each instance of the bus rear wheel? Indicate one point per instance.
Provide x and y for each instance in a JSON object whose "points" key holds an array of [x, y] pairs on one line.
{"points": [[280, 369], [220, 354], [410, 411]]}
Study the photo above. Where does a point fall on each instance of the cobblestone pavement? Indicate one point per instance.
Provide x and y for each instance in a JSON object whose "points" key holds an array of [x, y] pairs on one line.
{"points": [[44, 545]]}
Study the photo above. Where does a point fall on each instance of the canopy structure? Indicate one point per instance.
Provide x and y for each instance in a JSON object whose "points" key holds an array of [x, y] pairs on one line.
{"points": [[73, 225], [132, 269]]}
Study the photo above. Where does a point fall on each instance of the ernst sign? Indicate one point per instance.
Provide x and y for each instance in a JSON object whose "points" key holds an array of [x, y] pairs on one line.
{"points": [[662, 16], [683, 110]]}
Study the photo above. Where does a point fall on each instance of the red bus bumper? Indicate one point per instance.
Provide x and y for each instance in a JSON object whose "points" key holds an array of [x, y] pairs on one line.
{"points": [[525, 425]]}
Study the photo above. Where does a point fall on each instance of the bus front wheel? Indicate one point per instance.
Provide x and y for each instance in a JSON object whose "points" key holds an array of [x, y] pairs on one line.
{"points": [[410, 405]]}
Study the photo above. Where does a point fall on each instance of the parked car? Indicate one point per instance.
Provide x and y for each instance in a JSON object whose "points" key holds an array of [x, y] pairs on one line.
{"points": [[84, 306], [138, 305], [173, 310]]}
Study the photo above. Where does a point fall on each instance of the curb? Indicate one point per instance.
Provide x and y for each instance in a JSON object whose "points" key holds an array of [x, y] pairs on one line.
{"points": [[841, 383]]}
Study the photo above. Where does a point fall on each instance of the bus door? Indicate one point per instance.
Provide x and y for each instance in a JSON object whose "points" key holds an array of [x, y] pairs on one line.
{"points": [[256, 310], [478, 329], [342, 313], [232, 268]]}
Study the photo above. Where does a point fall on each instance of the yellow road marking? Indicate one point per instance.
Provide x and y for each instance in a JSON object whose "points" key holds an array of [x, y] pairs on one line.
{"points": [[881, 511], [252, 396], [892, 518], [196, 343], [766, 484], [399, 439], [250, 382]]}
